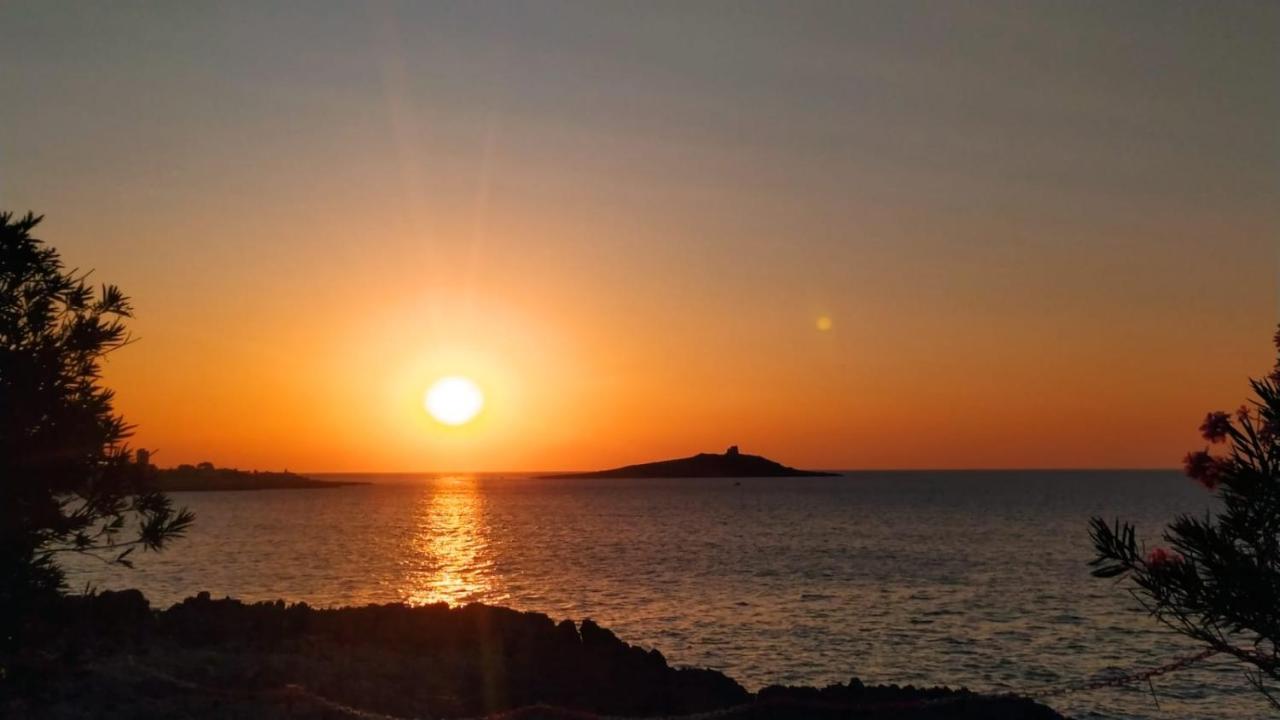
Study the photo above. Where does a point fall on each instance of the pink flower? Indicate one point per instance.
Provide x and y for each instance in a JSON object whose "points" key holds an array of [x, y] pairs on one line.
{"points": [[1203, 468], [1215, 426], [1160, 558]]}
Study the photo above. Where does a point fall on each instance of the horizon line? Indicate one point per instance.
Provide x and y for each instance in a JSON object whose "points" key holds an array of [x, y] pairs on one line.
{"points": [[836, 470]]}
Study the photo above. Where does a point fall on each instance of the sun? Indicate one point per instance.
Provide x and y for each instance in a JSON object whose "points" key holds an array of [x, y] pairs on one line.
{"points": [[454, 400]]}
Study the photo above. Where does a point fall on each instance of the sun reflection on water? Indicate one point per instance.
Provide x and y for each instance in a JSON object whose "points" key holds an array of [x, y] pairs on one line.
{"points": [[449, 558]]}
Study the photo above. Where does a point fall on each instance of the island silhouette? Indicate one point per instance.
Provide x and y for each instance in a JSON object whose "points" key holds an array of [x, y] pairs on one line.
{"points": [[731, 463]]}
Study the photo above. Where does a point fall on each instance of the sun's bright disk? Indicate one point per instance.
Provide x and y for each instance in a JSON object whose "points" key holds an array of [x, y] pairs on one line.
{"points": [[454, 400]]}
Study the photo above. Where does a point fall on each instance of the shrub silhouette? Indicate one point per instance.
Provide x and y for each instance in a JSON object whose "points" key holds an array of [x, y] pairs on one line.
{"points": [[68, 480], [1218, 579]]}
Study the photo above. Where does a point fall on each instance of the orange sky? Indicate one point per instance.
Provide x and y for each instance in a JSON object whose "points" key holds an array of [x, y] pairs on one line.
{"points": [[1044, 239]]}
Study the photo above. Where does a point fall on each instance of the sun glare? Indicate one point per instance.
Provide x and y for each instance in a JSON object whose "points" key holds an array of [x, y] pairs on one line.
{"points": [[454, 400]]}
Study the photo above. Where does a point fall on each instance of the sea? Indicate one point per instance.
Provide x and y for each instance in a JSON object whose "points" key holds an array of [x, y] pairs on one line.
{"points": [[974, 579]]}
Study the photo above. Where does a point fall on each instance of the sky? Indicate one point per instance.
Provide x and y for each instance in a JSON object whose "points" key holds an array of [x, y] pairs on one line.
{"points": [[844, 235]]}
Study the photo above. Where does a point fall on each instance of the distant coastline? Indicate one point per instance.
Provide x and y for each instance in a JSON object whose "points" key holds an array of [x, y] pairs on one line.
{"points": [[730, 464], [207, 478]]}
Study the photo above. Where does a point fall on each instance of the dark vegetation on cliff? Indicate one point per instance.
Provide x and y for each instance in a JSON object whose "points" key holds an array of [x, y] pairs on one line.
{"points": [[1217, 581], [69, 481], [111, 656], [729, 464]]}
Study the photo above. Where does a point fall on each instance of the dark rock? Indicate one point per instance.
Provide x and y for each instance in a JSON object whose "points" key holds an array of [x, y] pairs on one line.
{"points": [[861, 701], [425, 661]]}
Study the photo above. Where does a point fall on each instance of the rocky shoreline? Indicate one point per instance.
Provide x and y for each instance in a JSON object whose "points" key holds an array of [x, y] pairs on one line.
{"points": [[112, 656]]}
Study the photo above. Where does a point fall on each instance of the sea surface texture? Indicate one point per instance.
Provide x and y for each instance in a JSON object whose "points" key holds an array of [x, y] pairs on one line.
{"points": [[974, 579]]}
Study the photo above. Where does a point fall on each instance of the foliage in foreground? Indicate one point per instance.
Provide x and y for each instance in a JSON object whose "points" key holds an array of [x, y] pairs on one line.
{"points": [[1218, 579], [69, 483]]}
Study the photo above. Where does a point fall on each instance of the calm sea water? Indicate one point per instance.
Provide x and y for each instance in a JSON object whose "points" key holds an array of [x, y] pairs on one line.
{"points": [[971, 579]]}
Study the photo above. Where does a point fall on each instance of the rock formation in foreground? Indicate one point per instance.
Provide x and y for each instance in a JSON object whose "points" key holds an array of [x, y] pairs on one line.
{"points": [[116, 658]]}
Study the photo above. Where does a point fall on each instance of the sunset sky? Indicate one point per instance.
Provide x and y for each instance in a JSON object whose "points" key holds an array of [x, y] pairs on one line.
{"points": [[1041, 234]]}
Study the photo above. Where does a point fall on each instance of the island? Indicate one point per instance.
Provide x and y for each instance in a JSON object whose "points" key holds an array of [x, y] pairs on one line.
{"points": [[731, 464], [207, 478]]}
